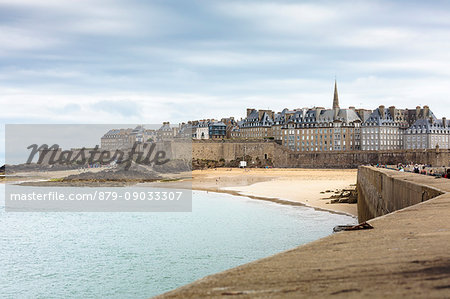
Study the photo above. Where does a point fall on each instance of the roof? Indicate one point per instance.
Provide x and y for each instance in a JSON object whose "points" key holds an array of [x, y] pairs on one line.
{"points": [[376, 119], [430, 125]]}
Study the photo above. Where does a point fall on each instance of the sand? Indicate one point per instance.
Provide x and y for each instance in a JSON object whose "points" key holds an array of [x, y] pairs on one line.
{"points": [[287, 186], [293, 185]]}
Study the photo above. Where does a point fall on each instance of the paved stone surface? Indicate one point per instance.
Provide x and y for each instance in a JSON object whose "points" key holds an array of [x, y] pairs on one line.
{"points": [[407, 254]]}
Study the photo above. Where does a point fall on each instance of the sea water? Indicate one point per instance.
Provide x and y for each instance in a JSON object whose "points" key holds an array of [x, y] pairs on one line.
{"points": [[138, 255]]}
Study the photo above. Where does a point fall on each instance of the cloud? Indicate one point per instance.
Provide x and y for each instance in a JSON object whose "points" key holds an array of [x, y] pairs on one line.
{"points": [[123, 108], [126, 61]]}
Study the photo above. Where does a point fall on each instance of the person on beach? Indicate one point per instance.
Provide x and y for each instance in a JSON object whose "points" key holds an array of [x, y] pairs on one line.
{"points": [[447, 174], [424, 172]]}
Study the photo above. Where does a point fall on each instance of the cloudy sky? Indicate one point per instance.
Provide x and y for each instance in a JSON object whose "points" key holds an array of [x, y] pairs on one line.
{"points": [[99, 61]]}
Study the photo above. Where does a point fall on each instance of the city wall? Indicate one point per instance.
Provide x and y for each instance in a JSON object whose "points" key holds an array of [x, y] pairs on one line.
{"points": [[273, 154], [269, 153]]}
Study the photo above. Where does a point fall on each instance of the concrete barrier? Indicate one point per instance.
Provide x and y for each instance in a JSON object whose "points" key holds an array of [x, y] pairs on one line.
{"points": [[382, 191]]}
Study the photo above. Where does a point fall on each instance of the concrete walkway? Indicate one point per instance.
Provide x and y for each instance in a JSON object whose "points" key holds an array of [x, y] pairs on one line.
{"points": [[407, 254]]}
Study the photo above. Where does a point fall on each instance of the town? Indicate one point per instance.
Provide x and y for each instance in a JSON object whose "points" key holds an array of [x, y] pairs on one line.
{"points": [[314, 129]]}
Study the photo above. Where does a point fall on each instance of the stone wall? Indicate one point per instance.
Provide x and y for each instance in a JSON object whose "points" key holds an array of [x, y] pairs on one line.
{"points": [[276, 155], [230, 150], [382, 191]]}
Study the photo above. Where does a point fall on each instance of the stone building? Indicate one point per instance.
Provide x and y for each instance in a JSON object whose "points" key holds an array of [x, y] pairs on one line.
{"points": [[125, 138], [320, 129], [279, 121], [428, 132], [236, 130], [257, 124], [116, 139], [381, 131], [166, 131], [186, 130], [230, 123]]}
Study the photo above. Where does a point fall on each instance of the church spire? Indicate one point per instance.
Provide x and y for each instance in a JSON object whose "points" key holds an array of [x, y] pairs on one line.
{"points": [[336, 98]]}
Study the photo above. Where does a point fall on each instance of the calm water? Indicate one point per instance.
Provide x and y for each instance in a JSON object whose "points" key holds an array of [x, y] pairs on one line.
{"points": [[137, 255]]}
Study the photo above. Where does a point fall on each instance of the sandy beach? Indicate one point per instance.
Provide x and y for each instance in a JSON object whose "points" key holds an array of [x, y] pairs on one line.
{"points": [[296, 186]]}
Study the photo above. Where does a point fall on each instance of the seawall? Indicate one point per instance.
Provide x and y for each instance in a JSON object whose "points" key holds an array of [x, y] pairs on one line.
{"points": [[272, 154], [382, 191], [406, 254]]}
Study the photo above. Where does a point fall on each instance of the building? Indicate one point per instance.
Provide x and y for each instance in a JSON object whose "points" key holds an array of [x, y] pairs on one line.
{"points": [[236, 130], [217, 130], [279, 121], [202, 129], [381, 131], [117, 139], [320, 129], [230, 123], [428, 132], [186, 130], [257, 124], [126, 138], [166, 132]]}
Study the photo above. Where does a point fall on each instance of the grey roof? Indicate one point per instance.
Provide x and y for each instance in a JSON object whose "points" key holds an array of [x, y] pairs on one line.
{"points": [[430, 125], [253, 120], [348, 115], [165, 127], [376, 119], [319, 115], [217, 124]]}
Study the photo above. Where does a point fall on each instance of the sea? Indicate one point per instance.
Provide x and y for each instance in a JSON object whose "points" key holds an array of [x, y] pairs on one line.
{"points": [[139, 255]]}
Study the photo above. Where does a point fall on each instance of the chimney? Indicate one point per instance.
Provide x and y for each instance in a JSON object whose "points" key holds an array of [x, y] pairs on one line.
{"points": [[249, 110], [318, 110], [260, 113], [352, 108], [392, 111], [426, 111], [444, 122], [381, 109], [417, 112]]}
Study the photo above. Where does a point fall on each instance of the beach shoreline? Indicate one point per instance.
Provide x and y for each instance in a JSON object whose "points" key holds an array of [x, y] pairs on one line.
{"points": [[289, 186], [297, 187]]}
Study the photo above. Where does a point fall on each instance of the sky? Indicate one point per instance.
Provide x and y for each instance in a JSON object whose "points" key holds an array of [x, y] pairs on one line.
{"points": [[98, 61]]}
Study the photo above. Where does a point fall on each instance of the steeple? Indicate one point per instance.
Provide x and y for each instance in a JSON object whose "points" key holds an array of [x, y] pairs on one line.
{"points": [[336, 98]]}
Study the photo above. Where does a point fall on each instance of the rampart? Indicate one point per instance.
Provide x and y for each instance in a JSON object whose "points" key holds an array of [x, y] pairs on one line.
{"points": [[273, 154]]}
